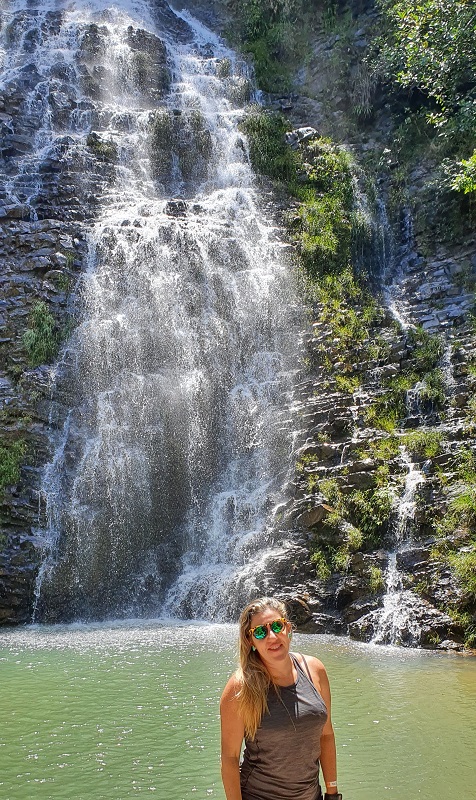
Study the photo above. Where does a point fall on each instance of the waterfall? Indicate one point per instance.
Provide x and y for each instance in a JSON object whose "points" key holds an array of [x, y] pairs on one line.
{"points": [[400, 260], [396, 623], [173, 445]]}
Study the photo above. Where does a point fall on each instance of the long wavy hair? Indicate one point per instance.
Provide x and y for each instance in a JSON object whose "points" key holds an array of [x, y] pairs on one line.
{"points": [[252, 674]]}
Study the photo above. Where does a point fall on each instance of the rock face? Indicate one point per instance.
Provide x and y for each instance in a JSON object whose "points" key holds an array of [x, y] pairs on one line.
{"points": [[387, 422], [386, 426]]}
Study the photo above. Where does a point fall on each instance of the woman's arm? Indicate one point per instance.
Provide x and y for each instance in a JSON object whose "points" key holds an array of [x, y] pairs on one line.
{"points": [[328, 745], [232, 733]]}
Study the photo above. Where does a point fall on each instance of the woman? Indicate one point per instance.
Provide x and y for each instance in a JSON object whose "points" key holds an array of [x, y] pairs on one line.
{"points": [[278, 702]]}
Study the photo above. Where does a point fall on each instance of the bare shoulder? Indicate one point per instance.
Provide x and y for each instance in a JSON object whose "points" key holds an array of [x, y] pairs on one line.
{"points": [[318, 674], [315, 666], [231, 689]]}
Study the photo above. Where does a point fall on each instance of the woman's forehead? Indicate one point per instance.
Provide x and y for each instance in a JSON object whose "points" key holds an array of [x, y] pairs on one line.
{"points": [[268, 615]]}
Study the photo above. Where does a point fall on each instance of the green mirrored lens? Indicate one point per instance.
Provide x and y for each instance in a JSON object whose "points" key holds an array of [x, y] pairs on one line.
{"points": [[260, 632], [277, 626]]}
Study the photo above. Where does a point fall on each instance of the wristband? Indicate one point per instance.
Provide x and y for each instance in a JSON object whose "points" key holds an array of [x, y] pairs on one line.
{"points": [[336, 796]]}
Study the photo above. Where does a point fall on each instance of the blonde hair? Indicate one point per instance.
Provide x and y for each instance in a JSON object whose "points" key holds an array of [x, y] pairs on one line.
{"points": [[253, 677]]}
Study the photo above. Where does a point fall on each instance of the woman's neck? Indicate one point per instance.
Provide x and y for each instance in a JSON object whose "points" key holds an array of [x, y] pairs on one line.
{"points": [[283, 674]]}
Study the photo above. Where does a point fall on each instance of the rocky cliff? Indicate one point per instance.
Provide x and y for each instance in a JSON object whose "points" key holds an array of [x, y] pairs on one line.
{"points": [[383, 496]]}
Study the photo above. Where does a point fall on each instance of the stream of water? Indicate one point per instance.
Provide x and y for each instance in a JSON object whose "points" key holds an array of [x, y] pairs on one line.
{"points": [[396, 621], [111, 712]]}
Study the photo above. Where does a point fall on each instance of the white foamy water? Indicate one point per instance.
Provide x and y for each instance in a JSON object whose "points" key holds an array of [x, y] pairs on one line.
{"points": [[176, 443], [396, 622]]}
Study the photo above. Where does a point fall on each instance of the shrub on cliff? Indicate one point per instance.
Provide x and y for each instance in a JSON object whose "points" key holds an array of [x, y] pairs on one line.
{"points": [[11, 455], [41, 339], [267, 31], [269, 153], [319, 175]]}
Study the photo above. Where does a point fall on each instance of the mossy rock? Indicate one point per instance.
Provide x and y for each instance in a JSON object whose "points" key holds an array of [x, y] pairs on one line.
{"points": [[180, 136], [104, 150]]}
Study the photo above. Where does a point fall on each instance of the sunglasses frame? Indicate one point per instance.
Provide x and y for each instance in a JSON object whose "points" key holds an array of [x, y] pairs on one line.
{"points": [[267, 625]]}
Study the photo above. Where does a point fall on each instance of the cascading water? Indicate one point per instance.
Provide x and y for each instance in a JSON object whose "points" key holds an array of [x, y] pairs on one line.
{"points": [[175, 445], [395, 622]]}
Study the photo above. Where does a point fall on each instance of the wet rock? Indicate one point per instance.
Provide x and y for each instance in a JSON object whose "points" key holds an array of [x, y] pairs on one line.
{"points": [[363, 628], [351, 588], [296, 137], [449, 644], [417, 624], [324, 623], [359, 480], [299, 611], [413, 558], [176, 208], [361, 607]]}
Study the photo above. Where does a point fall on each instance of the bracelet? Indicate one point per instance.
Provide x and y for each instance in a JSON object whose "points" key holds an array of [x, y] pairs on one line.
{"points": [[332, 784], [336, 796]]}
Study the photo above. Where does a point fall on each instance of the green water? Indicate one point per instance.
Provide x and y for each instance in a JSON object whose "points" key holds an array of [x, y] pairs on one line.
{"points": [[121, 711]]}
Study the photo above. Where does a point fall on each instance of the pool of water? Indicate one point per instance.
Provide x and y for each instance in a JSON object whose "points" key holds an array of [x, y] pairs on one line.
{"points": [[106, 712]]}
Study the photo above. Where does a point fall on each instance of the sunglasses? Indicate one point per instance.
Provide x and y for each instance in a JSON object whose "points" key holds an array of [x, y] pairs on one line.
{"points": [[261, 631]]}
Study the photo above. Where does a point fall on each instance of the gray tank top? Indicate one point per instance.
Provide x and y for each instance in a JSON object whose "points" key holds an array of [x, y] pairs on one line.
{"points": [[282, 761]]}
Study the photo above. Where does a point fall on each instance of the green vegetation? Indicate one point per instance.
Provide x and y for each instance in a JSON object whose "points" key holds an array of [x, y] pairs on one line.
{"points": [[465, 180], [70, 258], [185, 136], [312, 483], [105, 150], [350, 312], [383, 449], [427, 349], [423, 444], [429, 47], [424, 62], [334, 545], [41, 339], [348, 383], [367, 511], [467, 622], [425, 56], [390, 407], [457, 528], [269, 153], [463, 565], [11, 457], [330, 489], [370, 510], [326, 226], [376, 580], [322, 568], [269, 32], [353, 541]]}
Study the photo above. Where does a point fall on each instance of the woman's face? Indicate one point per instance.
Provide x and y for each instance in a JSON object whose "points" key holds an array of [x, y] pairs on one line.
{"points": [[274, 648]]}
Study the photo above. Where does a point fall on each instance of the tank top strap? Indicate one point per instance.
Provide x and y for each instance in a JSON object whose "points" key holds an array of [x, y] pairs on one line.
{"points": [[299, 667]]}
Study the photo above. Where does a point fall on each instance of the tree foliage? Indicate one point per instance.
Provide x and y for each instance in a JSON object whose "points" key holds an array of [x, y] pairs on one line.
{"points": [[430, 47], [465, 179]]}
